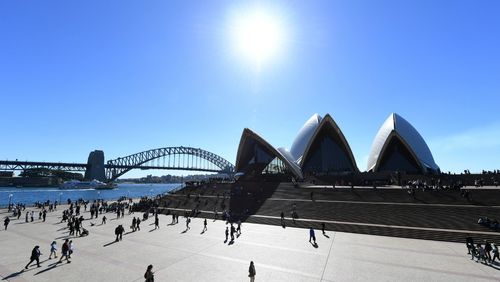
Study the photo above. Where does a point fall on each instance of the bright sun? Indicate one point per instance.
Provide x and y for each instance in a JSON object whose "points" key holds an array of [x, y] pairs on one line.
{"points": [[258, 35]]}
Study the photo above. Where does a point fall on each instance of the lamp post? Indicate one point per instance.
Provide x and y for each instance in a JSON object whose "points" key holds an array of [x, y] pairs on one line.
{"points": [[10, 201]]}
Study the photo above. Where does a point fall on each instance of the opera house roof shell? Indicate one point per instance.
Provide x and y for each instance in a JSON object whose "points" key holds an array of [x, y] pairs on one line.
{"points": [[397, 129], [321, 147]]}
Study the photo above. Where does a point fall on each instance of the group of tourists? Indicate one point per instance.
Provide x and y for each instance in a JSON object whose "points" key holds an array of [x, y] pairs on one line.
{"points": [[482, 252], [492, 224], [136, 224], [66, 252]]}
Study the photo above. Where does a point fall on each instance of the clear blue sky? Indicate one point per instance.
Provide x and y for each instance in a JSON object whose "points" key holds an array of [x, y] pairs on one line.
{"points": [[126, 76]]}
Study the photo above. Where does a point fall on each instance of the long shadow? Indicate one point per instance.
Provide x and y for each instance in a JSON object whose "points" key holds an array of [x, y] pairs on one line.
{"points": [[152, 229], [248, 201], [315, 245], [128, 232], [110, 243], [15, 274], [326, 236], [184, 231], [50, 267], [170, 224]]}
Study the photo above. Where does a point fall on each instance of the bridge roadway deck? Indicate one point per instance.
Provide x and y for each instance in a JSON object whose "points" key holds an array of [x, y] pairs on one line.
{"points": [[280, 254]]}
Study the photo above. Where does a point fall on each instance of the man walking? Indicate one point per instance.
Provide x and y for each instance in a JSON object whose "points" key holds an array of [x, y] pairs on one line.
{"points": [[35, 256], [157, 221], [227, 233], [65, 251], [119, 233], [6, 222], [311, 235], [205, 225], [238, 230]]}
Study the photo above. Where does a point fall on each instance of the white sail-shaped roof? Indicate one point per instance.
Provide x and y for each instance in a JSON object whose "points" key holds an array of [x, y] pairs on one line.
{"points": [[304, 136], [281, 153], [395, 124]]}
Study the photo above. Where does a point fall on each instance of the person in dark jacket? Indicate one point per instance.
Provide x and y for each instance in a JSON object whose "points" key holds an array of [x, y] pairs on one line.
{"points": [[65, 251], [119, 232], [35, 256], [6, 222], [251, 272], [149, 275]]}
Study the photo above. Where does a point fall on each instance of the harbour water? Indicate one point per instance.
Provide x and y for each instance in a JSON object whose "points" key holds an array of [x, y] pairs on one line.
{"points": [[29, 196]]}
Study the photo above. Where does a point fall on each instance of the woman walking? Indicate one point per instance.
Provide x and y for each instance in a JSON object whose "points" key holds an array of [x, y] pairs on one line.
{"points": [[251, 272], [149, 275], [53, 249]]}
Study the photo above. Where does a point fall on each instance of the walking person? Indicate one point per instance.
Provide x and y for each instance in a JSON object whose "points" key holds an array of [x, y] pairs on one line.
{"points": [[70, 248], [238, 230], [35, 256], [187, 223], [232, 231], [65, 251], [103, 220], [495, 252], [157, 222], [487, 250], [469, 243], [53, 249], [119, 233], [134, 221], [149, 275], [6, 222], [227, 233], [312, 236], [252, 272], [138, 222], [27, 214], [323, 228], [205, 225]]}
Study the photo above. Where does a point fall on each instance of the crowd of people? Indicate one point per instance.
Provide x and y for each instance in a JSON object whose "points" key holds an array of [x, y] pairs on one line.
{"points": [[486, 253], [486, 222]]}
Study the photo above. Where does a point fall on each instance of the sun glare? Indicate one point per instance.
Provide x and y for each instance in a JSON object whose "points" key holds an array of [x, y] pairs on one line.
{"points": [[257, 35]]}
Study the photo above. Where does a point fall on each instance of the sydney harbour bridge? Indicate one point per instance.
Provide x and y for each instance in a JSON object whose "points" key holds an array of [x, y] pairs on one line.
{"points": [[168, 158]]}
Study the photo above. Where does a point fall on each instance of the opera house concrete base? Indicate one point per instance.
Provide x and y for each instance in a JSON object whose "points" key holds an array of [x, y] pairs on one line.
{"points": [[279, 254]]}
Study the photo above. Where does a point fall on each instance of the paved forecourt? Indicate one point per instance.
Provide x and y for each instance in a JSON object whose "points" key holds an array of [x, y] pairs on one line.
{"points": [[279, 254]]}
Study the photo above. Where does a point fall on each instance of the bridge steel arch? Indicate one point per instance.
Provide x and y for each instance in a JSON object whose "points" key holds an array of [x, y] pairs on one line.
{"points": [[118, 167]]}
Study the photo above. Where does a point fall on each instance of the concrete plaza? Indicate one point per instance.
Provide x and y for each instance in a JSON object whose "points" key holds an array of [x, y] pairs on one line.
{"points": [[279, 254]]}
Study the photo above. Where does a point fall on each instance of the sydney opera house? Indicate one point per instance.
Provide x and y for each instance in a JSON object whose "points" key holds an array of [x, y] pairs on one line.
{"points": [[320, 148]]}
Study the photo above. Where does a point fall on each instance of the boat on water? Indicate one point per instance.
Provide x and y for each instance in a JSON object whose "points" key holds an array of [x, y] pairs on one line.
{"points": [[94, 184]]}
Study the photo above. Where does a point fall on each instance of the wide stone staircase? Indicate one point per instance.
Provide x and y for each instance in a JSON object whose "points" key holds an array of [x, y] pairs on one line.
{"points": [[432, 215]]}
